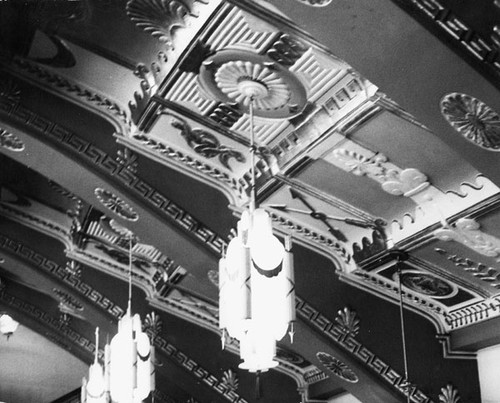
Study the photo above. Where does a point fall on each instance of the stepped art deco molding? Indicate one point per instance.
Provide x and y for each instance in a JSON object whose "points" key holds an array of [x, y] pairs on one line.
{"points": [[473, 119]]}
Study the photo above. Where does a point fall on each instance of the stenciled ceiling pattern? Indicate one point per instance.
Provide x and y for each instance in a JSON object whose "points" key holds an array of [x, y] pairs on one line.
{"points": [[130, 117]]}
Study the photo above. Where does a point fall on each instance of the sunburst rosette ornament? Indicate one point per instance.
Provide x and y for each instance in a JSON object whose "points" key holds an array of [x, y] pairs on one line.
{"points": [[473, 119], [236, 76]]}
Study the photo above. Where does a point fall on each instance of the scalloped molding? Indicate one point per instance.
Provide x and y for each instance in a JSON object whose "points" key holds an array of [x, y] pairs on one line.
{"points": [[440, 207]]}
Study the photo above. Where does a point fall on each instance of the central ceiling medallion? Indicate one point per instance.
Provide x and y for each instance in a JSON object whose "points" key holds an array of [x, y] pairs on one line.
{"points": [[242, 81], [236, 76]]}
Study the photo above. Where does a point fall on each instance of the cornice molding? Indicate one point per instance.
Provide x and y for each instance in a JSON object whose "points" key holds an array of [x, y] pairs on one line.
{"points": [[74, 92]]}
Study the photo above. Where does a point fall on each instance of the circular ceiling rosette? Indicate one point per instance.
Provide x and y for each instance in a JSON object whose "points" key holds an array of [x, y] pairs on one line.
{"points": [[230, 76], [473, 119]]}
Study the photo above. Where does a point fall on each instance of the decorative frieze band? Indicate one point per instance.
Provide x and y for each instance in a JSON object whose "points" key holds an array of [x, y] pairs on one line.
{"points": [[107, 163], [340, 337], [37, 260]]}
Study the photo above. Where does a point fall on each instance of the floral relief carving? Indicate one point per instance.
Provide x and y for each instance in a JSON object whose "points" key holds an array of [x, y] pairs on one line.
{"points": [[466, 231], [152, 325], [9, 90], [473, 119], [348, 321], [115, 204], [205, 143], [396, 181], [449, 395], [161, 18], [10, 142], [336, 366], [427, 284], [68, 300], [230, 380], [213, 276]]}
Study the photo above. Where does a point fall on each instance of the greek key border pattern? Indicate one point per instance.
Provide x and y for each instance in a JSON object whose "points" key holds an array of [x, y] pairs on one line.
{"points": [[54, 323], [47, 265], [99, 158], [469, 40], [193, 367], [333, 332]]}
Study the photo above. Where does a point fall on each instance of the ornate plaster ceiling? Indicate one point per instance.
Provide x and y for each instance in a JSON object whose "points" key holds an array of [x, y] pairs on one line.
{"points": [[378, 133]]}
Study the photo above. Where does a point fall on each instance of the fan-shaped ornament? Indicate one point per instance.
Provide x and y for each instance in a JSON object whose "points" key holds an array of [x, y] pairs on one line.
{"points": [[473, 119], [160, 17], [234, 76]]}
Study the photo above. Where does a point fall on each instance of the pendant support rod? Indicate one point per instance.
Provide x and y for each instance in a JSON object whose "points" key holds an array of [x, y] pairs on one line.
{"points": [[253, 184], [400, 258], [130, 273]]}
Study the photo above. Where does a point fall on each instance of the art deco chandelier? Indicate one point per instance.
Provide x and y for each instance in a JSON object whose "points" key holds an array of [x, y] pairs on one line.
{"points": [[256, 282]]}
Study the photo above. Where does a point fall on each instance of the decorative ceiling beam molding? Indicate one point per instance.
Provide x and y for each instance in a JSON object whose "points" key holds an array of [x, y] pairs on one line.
{"points": [[71, 90], [151, 267], [72, 282], [341, 334], [106, 165], [37, 216], [36, 318], [474, 306]]}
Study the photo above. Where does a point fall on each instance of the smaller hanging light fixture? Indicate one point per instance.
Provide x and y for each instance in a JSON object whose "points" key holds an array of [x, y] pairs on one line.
{"points": [[94, 390], [7, 325], [256, 282], [128, 375]]}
